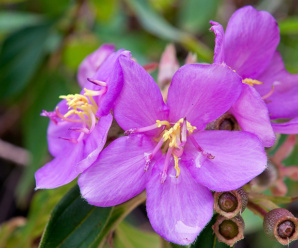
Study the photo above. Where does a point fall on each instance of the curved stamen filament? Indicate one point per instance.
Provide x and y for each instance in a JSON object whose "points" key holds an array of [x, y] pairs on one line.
{"points": [[158, 124], [195, 143], [269, 93], [62, 117], [97, 82]]}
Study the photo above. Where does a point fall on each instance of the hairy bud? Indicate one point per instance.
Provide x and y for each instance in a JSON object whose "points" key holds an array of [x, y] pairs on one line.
{"points": [[225, 122], [281, 225], [266, 178], [230, 204], [229, 231]]}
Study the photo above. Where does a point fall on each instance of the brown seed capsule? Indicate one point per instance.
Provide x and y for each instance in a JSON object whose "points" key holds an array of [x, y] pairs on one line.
{"points": [[229, 231], [231, 203], [266, 179], [225, 122], [281, 225]]}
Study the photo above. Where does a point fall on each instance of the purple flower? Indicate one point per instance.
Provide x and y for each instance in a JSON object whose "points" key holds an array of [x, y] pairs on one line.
{"points": [[168, 153], [248, 46], [93, 61], [80, 123]]}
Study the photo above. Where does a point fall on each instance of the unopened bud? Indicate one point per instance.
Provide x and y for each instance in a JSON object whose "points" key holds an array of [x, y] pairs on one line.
{"points": [[230, 204], [266, 178], [225, 122], [229, 231], [281, 225]]}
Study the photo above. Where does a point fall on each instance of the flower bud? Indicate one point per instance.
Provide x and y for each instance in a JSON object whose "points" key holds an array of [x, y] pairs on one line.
{"points": [[229, 231], [266, 178], [225, 122], [281, 225], [230, 204]]}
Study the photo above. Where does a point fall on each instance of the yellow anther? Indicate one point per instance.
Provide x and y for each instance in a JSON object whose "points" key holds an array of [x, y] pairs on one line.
{"points": [[90, 92], [162, 123], [251, 82], [174, 133], [177, 166], [79, 105]]}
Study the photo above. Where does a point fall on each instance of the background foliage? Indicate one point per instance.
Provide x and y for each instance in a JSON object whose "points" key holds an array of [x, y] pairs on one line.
{"points": [[42, 45]]}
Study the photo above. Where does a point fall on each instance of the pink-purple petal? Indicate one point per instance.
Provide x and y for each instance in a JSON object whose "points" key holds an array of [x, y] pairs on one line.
{"points": [[251, 39], [290, 127], [238, 157], [92, 62], [94, 142], [140, 103], [252, 115], [118, 174], [56, 133], [283, 102], [218, 30], [179, 208], [61, 170], [202, 93]]}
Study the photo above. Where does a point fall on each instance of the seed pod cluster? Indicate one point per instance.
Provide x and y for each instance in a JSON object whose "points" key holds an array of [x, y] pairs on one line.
{"points": [[229, 226]]}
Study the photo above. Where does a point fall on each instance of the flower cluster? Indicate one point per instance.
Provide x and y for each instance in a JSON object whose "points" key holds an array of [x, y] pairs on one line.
{"points": [[168, 149]]}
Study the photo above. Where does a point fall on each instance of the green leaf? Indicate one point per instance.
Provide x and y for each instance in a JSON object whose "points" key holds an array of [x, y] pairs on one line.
{"points": [[20, 57], [289, 26], [128, 236], [10, 21], [75, 223], [157, 25], [153, 22], [41, 206], [207, 238], [194, 15]]}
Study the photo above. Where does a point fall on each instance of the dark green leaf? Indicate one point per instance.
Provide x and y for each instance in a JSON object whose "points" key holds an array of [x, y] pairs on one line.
{"points": [[196, 14], [127, 236], [207, 238], [20, 57], [75, 223], [153, 22]]}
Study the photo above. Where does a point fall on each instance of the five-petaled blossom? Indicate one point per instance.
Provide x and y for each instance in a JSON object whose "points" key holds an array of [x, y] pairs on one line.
{"points": [[248, 46], [80, 122], [168, 153]]}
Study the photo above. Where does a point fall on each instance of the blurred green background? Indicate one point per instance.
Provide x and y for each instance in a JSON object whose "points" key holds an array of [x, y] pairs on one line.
{"points": [[42, 44]]}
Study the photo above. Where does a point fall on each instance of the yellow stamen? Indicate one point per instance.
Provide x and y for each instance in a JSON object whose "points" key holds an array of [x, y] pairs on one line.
{"points": [[177, 166], [251, 82], [79, 105], [163, 123], [174, 133]]}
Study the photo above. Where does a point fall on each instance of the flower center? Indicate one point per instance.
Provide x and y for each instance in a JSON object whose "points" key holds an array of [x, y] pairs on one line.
{"points": [[81, 109], [171, 141], [82, 106]]}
